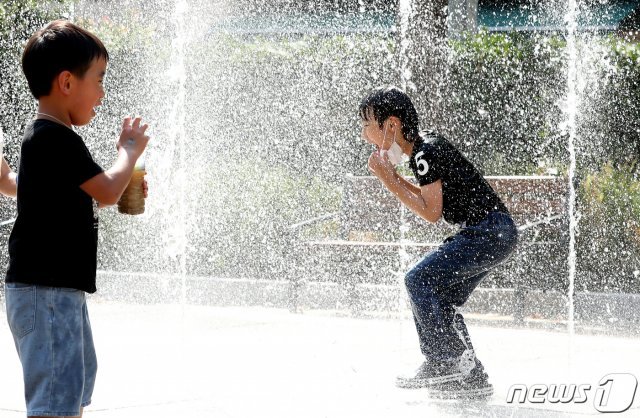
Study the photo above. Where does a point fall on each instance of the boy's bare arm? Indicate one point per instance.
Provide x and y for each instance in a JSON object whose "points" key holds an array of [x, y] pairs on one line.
{"points": [[107, 187], [410, 186], [8, 185], [145, 192], [425, 201]]}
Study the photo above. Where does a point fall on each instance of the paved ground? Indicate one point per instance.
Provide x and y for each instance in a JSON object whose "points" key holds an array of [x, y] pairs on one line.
{"points": [[170, 361]]}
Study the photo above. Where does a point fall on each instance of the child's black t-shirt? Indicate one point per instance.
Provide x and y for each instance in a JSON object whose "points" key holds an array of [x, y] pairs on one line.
{"points": [[466, 195], [55, 237]]}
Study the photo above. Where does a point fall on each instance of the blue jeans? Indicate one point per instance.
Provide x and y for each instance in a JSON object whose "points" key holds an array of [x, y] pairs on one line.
{"points": [[445, 278], [52, 334]]}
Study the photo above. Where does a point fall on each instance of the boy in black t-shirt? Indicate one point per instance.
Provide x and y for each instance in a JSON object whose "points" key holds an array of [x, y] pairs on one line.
{"points": [[52, 248], [449, 187]]}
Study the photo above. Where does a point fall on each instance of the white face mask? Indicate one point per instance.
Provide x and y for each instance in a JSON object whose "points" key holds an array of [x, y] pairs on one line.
{"points": [[395, 154]]}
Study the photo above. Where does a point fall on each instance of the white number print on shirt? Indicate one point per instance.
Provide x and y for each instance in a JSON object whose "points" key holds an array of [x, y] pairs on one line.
{"points": [[423, 166]]}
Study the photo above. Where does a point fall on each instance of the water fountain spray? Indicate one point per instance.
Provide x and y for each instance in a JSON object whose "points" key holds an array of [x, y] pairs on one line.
{"points": [[571, 20]]}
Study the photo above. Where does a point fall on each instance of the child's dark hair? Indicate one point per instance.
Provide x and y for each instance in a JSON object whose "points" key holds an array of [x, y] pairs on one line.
{"points": [[60, 46], [384, 102]]}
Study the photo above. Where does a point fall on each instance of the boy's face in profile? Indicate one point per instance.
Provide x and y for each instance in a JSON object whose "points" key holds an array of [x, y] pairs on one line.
{"points": [[87, 92], [371, 131]]}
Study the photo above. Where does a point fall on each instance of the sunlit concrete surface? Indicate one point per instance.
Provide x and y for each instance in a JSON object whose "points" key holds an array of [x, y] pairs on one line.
{"points": [[197, 361]]}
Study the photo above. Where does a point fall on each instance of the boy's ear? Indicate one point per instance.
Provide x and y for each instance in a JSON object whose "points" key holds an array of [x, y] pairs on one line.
{"points": [[394, 122], [64, 81], [388, 124]]}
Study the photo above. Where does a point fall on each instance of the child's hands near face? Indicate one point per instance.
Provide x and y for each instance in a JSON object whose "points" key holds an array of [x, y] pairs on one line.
{"points": [[380, 166], [133, 138]]}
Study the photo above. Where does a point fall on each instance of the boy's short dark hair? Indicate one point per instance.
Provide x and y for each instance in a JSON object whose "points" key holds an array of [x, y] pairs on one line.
{"points": [[384, 102], [60, 46]]}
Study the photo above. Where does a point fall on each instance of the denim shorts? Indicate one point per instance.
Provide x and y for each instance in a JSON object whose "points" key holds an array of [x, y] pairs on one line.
{"points": [[52, 333]]}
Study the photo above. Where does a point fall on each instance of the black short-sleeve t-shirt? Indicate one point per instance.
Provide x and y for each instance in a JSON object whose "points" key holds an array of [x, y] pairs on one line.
{"points": [[54, 239], [466, 195]]}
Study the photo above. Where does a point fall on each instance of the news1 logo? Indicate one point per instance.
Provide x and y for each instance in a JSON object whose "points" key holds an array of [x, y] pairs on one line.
{"points": [[615, 393]]}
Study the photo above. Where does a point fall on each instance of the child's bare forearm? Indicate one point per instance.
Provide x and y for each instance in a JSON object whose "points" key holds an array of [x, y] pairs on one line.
{"points": [[409, 194], [8, 185], [120, 173], [410, 186], [107, 187]]}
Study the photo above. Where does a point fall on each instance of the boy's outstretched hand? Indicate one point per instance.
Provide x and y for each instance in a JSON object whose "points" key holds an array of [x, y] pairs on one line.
{"points": [[381, 167], [133, 138]]}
